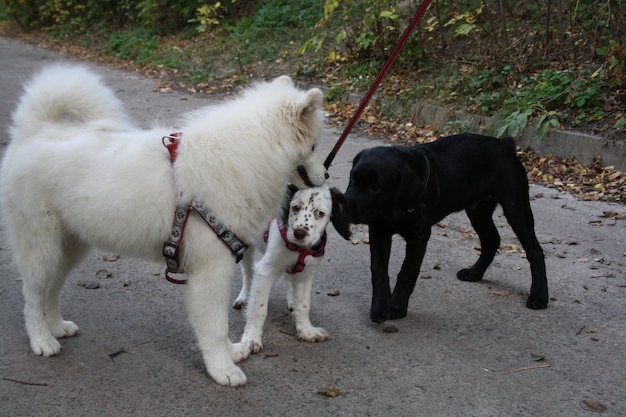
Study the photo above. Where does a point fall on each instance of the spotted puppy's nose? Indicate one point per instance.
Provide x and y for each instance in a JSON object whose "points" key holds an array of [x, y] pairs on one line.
{"points": [[299, 234]]}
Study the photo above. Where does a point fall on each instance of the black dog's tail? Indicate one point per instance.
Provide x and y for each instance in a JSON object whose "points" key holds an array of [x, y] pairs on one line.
{"points": [[510, 141]]}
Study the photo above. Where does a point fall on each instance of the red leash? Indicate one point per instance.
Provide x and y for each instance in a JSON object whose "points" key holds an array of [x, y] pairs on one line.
{"points": [[379, 78]]}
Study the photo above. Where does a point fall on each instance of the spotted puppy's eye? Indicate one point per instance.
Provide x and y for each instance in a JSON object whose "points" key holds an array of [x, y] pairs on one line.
{"points": [[319, 214], [296, 208]]}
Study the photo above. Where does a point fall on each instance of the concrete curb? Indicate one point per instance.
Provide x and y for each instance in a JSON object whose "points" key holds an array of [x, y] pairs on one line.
{"points": [[559, 143]]}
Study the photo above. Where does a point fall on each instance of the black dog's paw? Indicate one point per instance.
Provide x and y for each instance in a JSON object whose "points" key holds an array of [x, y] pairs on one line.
{"points": [[394, 313], [377, 316], [378, 311], [399, 305], [537, 302], [469, 275]]}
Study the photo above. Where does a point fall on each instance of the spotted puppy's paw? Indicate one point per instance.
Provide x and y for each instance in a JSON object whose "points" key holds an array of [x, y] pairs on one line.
{"points": [[312, 334]]}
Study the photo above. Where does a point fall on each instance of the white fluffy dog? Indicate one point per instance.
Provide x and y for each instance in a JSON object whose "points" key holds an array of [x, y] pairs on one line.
{"points": [[295, 247], [78, 173]]}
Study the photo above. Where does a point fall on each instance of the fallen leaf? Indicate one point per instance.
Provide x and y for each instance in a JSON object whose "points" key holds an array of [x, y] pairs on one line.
{"points": [[89, 285], [390, 329], [329, 392], [536, 358], [594, 406], [117, 353], [103, 273], [509, 248], [436, 267], [333, 293], [110, 258], [609, 215]]}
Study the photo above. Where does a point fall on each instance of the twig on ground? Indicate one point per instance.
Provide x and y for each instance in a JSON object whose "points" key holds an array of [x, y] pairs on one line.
{"points": [[527, 368], [38, 384]]}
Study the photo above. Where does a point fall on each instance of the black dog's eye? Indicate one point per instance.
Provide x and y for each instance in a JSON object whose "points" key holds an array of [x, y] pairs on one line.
{"points": [[319, 214], [373, 188]]}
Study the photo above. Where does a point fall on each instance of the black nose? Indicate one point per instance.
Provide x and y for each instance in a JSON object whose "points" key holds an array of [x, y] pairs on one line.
{"points": [[299, 234]]}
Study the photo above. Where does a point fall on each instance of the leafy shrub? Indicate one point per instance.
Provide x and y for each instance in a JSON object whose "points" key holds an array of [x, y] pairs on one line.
{"points": [[362, 30]]}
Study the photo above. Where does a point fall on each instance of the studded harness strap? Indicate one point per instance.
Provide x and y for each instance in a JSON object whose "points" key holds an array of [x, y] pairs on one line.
{"points": [[171, 248]]}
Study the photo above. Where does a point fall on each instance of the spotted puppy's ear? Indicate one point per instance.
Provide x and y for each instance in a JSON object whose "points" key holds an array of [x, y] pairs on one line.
{"points": [[284, 214], [340, 216]]}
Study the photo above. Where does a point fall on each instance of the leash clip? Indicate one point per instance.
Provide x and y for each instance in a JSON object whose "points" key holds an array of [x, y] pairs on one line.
{"points": [[173, 140]]}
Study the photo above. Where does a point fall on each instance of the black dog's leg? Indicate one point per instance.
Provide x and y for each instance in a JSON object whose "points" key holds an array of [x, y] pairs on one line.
{"points": [[415, 250], [380, 250], [481, 216], [520, 217]]}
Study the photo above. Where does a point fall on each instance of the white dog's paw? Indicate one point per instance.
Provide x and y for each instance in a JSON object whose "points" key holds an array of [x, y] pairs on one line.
{"points": [[231, 376], [64, 328], [312, 334], [253, 343], [240, 303], [45, 346], [239, 352]]}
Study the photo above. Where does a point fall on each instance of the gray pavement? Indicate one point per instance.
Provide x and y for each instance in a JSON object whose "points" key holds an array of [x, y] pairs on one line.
{"points": [[465, 349]]}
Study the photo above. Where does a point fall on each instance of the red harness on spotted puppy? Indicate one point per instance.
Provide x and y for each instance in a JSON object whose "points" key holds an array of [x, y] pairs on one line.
{"points": [[316, 251]]}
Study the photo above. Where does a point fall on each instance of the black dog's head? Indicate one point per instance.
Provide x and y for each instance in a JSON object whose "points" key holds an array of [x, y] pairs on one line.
{"points": [[387, 182]]}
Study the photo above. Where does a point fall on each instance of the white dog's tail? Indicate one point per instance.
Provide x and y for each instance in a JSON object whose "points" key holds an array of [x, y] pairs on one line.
{"points": [[67, 95]]}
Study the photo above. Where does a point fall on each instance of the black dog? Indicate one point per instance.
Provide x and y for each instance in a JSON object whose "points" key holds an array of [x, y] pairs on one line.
{"points": [[405, 190]]}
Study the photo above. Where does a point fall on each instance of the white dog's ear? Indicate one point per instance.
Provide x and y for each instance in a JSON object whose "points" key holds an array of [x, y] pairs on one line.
{"points": [[284, 79], [311, 101]]}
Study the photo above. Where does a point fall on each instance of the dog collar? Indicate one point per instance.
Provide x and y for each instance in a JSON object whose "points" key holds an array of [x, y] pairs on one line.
{"points": [[316, 251]]}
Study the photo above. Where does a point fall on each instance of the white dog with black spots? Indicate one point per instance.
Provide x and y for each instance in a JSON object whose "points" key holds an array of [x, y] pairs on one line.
{"points": [[294, 250]]}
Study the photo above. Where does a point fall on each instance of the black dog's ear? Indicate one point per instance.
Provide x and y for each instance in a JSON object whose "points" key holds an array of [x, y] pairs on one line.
{"points": [[340, 216], [409, 190]]}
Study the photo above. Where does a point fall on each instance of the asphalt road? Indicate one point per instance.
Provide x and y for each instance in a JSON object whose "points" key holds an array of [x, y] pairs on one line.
{"points": [[465, 349]]}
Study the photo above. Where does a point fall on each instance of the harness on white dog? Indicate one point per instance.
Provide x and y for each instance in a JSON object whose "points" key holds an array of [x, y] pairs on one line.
{"points": [[171, 248], [316, 251]]}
